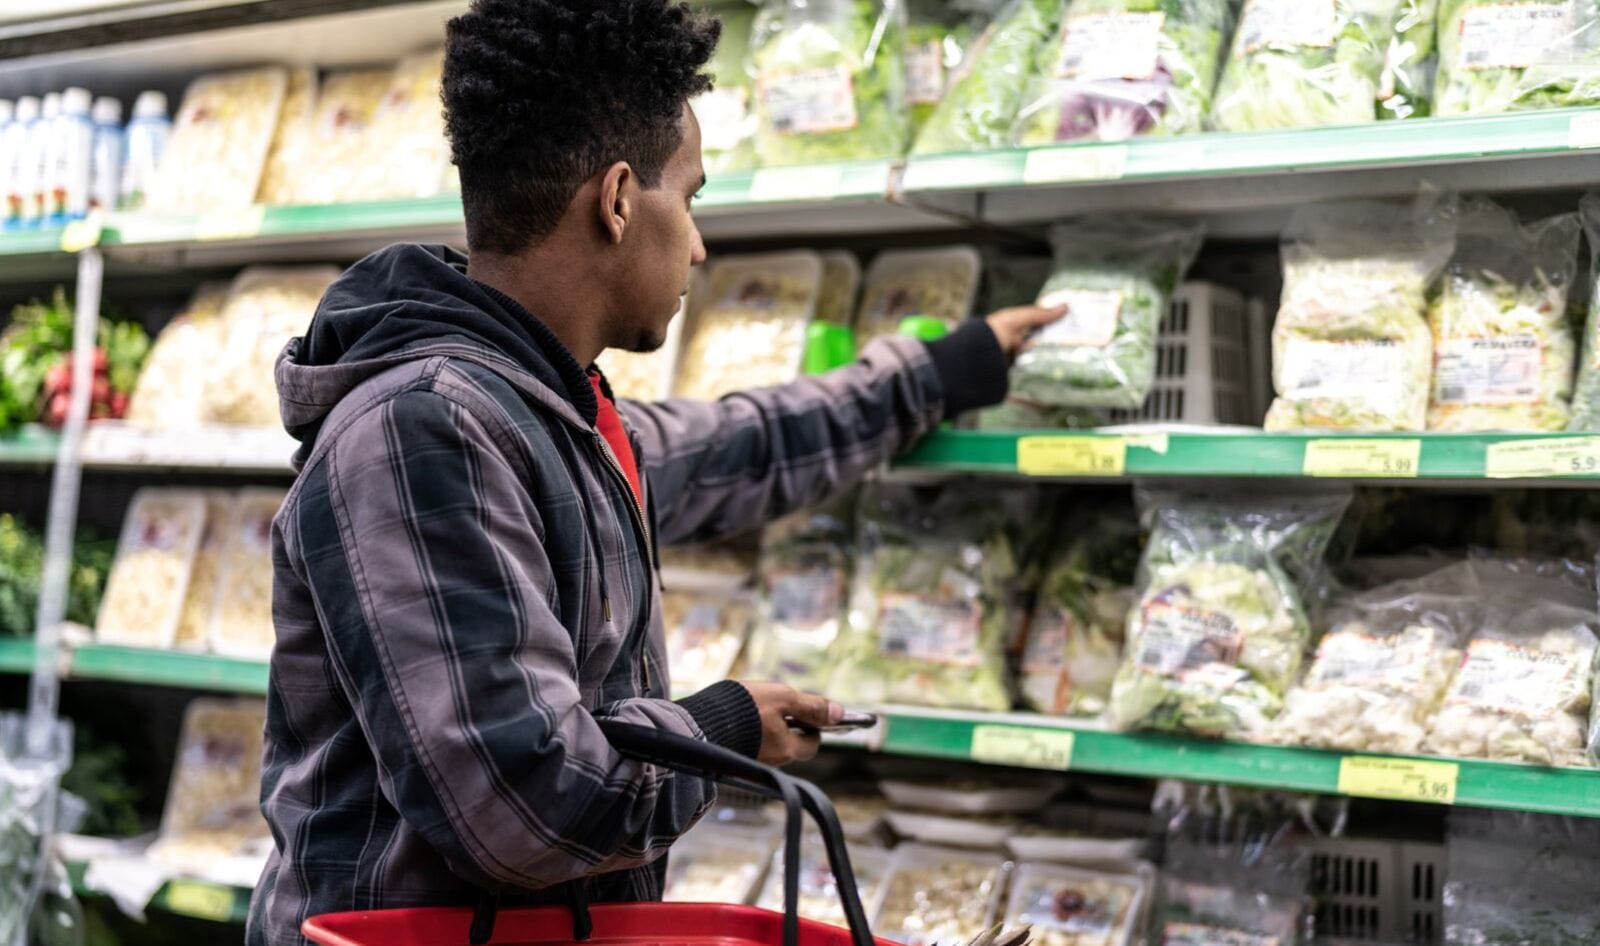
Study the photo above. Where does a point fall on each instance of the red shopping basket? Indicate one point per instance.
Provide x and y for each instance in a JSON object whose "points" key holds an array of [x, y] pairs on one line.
{"points": [[642, 924]]}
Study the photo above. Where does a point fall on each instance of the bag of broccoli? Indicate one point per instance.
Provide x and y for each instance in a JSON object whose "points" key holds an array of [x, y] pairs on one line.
{"points": [[981, 103], [830, 81], [1296, 64], [1221, 623], [936, 596], [1513, 55], [1116, 278], [1586, 396], [726, 115], [1406, 87], [804, 590], [1126, 67], [1351, 347], [1503, 348]]}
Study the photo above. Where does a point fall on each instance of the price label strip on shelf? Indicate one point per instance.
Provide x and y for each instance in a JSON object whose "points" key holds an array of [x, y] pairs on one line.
{"points": [[1025, 746], [203, 900], [821, 182], [1583, 131], [1535, 459], [1390, 459], [1399, 779], [1085, 455], [1075, 163], [230, 224], [79, 235]]}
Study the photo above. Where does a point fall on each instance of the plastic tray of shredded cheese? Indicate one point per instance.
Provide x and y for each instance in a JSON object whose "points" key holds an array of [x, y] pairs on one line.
{"points": [[751, 332], [717, 863], [938, 896], [1068, 907], [212, 811], [705, 632], [819, 893], [194, 624], [170, 390], [219, 142], [289, 156], [241, 621], [337, 141], [266, 307], [407, 154], [939, 283], [150, 576]]}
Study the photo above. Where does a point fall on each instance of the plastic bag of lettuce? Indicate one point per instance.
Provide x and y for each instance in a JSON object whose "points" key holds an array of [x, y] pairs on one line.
{"points": [[725, 112], [1405, 89], [936, 595], [1126, 67], [1511, 55], [1586, 396], [804, 591], [1297, 64], [830, 81], [981, 104], [1116, 278], [1221, 625], [938, 37]]}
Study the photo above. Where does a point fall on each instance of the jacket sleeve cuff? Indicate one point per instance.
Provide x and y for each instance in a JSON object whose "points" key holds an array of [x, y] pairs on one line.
{"points": [[727, 714], [972, 367]]}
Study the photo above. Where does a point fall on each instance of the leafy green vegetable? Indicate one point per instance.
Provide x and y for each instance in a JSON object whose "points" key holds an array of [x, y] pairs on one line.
{"points": [[1117, 280], [1296, 64], [1406, 89], [1120, 68], [982, 103], [726, 115], [830, 81], [1511, 55], [1586, 397], [21, 569], [99, 776], [801, 612], [937, 40]]}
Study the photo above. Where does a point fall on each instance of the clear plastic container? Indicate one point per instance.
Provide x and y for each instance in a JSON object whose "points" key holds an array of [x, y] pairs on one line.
{"points": [[706, 630], [213, 807], [978, 832], [219, 142], [150, 576], [751, 332], [194, 624], [841, 280], [969, 800], [241, 620], [1070, 907], [170, 392], [407, 154], [647, 376], [266, 307], [939, 283], [938, 896], [819, 893], [290, 155], [338, 140], [717, 863]]}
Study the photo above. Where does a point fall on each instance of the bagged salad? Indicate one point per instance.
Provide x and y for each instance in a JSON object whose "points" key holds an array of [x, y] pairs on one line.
{"points": [[1296, 64], [1074, 639], [1351, 347], [241, 621], [1221, 624], [830, 81], [408, 155], [170, 392], [935, 599], [1116, 279], [1122, 68], [1504, 349], [150, 576], [1511, 55], [940, 283], [938, 35], [751, 331], [1586, 395], [804, 592], [726, 112], [983, 98], [1406, 88], [287, 158]]}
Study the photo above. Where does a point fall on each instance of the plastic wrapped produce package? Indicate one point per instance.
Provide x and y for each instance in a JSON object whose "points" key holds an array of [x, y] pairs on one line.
{"points": [[219, 142], [841, 281], [150, 576], [1586, 395], [1221, 623], [938, 36], [213, 814], [1500, 56], [819, 892], [830, 81], [241, 623], [938, 896], [717, 863], [1406, 88], [751, 332], [983, 98], [337, 141], [1520, 879], [1067, 906], [705, 632], [1352, 349], [170, 393], [1116, 279], [266, 307], [1124, 68], [1504, 350], [1296, 64], [727, 113], [288, 158], [406, 152], [805, 582], [200, 601], [938, 283]]}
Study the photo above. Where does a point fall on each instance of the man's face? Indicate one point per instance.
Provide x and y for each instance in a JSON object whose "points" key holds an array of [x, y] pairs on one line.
{"points": [[666, 245]]}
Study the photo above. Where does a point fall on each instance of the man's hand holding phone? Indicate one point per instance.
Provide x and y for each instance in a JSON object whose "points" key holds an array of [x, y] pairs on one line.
{"points": [[792, 723]]}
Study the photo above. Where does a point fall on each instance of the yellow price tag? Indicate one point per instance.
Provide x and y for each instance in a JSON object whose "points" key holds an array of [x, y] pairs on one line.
{"points": [[1072, 455], [206, 901], [1399, 779], [1025, 746], [1075, 163], [1527, 459], [79, 235], [230, 224], [1391, 459]]}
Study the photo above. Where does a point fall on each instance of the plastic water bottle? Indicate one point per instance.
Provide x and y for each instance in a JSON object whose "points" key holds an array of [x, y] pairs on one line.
{"points": [[36, 158], [105, 160], [13, 150], [8, 117], [147, 138], [71, 148]]}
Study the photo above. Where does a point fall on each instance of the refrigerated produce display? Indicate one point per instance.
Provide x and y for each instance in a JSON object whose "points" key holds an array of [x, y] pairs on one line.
{"points": [[1265, 611]]}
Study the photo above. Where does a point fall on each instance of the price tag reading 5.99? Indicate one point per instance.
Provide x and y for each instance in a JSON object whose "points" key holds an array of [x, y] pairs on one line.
{"points": [[1389, 459], [1399, 779]]}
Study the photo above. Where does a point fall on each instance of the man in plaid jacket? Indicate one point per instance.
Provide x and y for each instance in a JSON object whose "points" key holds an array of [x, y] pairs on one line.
{"points": [[465, 568]]}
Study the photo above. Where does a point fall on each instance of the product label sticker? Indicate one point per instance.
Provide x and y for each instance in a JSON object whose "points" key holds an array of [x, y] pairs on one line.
{"points": [[1389, 457], [1503, 677], [1104, 46], [1072, 455], [925, 73], [941, 632], [1045, 650], [1563, 456], [1492, 371], [724, 117], [805, 599], [1025, 746], [1088, 911], [1399, 779], [1517, 35], [1090, 322], [1195, 934], [1350, 658], [1287, 23], [1175, 638], [810, 101], [1371, 372]]}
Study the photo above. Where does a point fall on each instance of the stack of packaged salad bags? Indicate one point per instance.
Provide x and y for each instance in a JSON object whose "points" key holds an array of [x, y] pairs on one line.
{"points": [[1405, 89], [1500, 56], [1586, 396], [981, 102], [938, 36], [803, 593]]}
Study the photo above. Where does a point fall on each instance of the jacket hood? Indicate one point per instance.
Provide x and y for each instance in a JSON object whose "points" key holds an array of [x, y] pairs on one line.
{"points": [[411, 302]]}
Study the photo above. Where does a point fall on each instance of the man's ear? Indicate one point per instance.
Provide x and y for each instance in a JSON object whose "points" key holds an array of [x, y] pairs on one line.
{"points": [[616, 207]]}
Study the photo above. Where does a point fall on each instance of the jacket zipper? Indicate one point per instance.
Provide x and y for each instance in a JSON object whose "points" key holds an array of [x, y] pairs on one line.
{"points": [[644, 530]]}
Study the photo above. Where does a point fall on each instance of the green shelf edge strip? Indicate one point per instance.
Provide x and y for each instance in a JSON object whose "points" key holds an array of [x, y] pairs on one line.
{"points": [[197, 899], [38, 242], [169, 668], [32, 444], [16, 655]]}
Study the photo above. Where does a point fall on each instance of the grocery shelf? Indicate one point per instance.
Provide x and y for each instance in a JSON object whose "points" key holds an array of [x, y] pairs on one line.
{"points": [[32, 444], [169, 668], [109, 445], [198, 899], [16, 655]]}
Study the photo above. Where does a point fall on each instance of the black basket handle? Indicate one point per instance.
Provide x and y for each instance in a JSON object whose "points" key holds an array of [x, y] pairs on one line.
{"points": [[694, 757]]}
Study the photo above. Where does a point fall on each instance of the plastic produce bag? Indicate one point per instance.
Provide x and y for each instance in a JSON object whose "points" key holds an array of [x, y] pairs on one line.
{"points": [[406, 152], [1221, 624], [1126, 67], [1520, 879], [241, 622], [937, 39], [938, 896], [150, 577], [726, 113], [983, 99], [1406, 88], [288, 158], [213, 815], [1510, 55], [170, 392], [1116, 279], [1066, 906], [939, 283], [935, 596], [1296, 64], [805, 584], [1504, 349], [1351, 345], [266, 307], [752, 330], [29, 791], [200, 601], [830, 81], [214, 157], [1586, 396]]}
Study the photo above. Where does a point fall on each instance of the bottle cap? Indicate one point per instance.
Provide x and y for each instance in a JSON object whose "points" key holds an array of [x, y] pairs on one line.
{"points": [[52, 105], [76, 101], [6, 110], [27, 108], [107, 111], [150, 104]]}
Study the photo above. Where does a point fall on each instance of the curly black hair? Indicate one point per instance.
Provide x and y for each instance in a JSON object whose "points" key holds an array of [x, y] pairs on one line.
{"points": [[541, 95]]}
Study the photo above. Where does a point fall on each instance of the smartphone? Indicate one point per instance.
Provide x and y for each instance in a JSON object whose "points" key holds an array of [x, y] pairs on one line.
{"points": [[850, 722]]}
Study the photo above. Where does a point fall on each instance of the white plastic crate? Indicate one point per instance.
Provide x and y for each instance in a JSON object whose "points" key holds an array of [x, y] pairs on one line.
{"points": [[1205, 372], [1378, 890]]}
